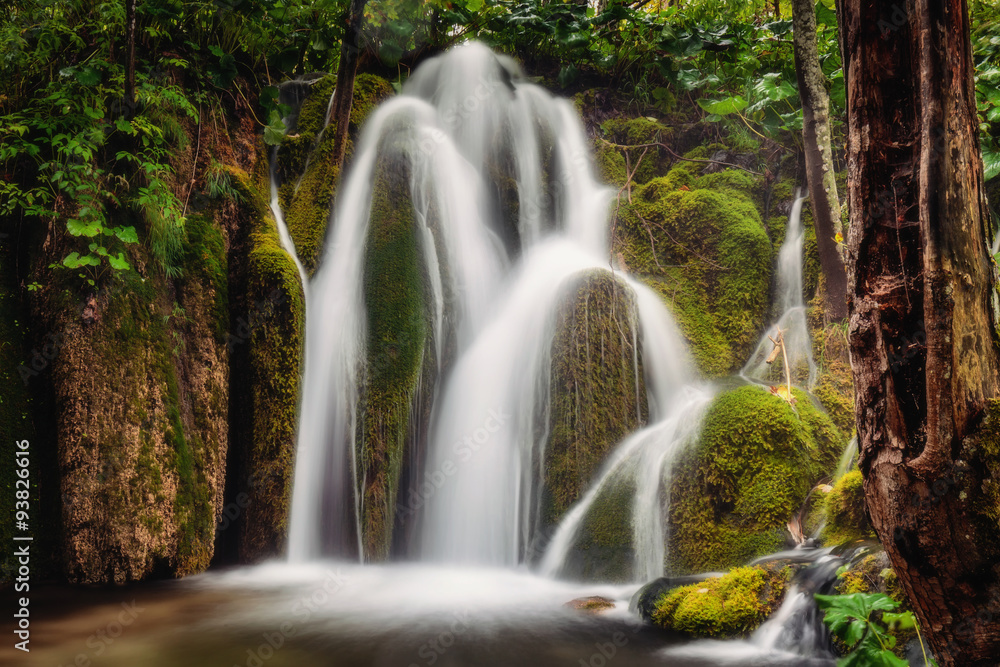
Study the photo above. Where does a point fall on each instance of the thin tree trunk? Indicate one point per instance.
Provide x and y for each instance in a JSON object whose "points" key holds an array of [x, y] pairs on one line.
{"points": [[130, 58], [923, 343], [347, 70], [817, 137]]}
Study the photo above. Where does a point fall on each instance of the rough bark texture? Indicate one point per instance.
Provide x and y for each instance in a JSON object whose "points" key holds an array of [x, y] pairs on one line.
{"points": [[347, 70], [819, 155], [923, 343], [130, 58]]}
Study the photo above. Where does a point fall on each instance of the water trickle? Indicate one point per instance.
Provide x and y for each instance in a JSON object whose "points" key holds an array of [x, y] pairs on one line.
{"points": [[792, 321]]}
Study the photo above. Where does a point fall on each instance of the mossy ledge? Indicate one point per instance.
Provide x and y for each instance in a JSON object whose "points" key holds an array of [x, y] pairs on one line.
{"points": [[734, 490], [310, 194]]}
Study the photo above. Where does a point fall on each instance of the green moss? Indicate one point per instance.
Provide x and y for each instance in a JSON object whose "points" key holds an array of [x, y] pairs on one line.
{"points": [[603, 549], [596, 398], [732, 605], [610, 164], [846, 520], [750, 471], [707, 253], [269, 330], [397, 334], [205, 260], [309, 206], [636, 132]]}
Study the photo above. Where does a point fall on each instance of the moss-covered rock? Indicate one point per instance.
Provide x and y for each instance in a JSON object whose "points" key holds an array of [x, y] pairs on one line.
{"points": [[400, 354], [603, 549], [648, 162], [706, 252], [750, 471], [265, 342], [598, 393], [846, 518], [310, 201], [732, 605]]}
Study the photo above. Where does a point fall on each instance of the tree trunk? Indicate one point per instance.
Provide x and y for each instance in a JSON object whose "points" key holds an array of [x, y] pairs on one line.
{"points": [[817, 138], [923, 343], [347, 70], [129, 58]]}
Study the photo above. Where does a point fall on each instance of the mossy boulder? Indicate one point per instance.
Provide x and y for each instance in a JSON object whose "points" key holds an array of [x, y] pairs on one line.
{"points": [[729, 606], [265, 341], [597, 389], [308, 185], [395, 410], [734, 490], [706, 252], [846, 518]]}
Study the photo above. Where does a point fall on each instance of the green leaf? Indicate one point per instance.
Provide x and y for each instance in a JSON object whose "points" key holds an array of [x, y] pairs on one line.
{"points": [[126, 234], [825, 15], [80, 228], [991, 164], [119, 263], [903, 621], [723, 107]]}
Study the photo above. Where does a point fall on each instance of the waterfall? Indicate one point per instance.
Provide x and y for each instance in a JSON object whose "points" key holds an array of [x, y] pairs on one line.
{"points": [[792, 321], [494, 285]]}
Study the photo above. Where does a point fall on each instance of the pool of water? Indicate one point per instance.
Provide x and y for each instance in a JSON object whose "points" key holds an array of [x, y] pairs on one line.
{"points": [[342, 614]]}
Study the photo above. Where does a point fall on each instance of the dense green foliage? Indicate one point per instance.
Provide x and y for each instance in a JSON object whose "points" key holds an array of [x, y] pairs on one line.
{"points": [[855, 620]]}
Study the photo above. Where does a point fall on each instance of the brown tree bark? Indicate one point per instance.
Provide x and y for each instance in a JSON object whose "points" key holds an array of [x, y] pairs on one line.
{"points": [[817, 138], [347, 70], [923, 341], [129, 58]]}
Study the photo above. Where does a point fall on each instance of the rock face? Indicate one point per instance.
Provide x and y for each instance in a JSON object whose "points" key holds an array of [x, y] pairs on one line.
{"points": [[141, 396], [266, 339], [750, 471]]}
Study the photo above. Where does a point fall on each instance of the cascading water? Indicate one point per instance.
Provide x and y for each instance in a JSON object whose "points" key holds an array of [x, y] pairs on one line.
{"points": [[461, 117], [792, 321]]}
